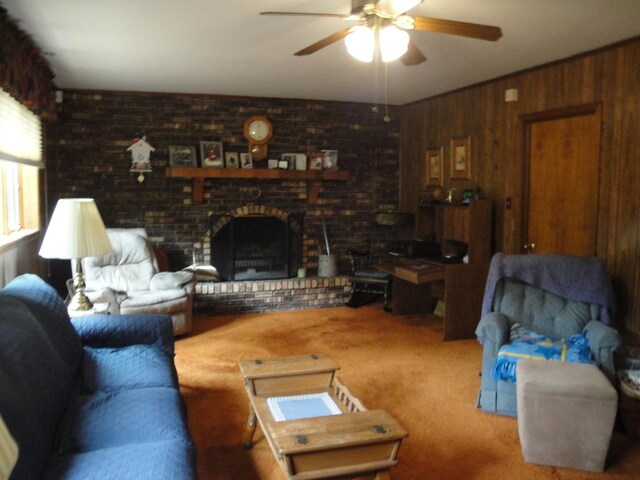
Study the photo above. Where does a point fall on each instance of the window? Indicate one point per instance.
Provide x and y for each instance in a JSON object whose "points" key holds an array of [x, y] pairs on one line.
{"points": [[20, 161], [19, 198]]}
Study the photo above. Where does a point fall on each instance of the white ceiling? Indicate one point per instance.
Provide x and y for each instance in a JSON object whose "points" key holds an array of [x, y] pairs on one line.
{"points": [[226, 47]]}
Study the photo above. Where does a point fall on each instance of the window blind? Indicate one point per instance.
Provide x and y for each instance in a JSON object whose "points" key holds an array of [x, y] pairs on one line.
{"points": [[20, 133]]}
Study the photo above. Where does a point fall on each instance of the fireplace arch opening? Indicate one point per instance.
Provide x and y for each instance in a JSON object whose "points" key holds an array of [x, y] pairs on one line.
{"points": [[256, 242]]}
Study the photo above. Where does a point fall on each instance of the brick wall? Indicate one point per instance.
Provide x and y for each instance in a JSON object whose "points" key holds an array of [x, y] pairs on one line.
{"points": [[95, 129]]}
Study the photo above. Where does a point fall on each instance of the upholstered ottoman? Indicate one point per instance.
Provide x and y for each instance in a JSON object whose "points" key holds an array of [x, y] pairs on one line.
{"points": [[566, 413]]}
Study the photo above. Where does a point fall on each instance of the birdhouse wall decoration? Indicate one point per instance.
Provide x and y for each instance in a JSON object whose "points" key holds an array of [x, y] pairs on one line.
{"points": [[140, 157]]}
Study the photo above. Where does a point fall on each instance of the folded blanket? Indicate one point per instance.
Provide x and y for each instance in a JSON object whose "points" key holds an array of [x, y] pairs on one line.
{"points": [[530, 345], [580, 279]]}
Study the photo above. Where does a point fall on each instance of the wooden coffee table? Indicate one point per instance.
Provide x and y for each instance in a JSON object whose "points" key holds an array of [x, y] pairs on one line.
{"points": [[358, 442]]}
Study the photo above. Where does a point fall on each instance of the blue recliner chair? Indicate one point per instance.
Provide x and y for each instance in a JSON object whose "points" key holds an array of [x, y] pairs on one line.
{"points": [[551, 295]]}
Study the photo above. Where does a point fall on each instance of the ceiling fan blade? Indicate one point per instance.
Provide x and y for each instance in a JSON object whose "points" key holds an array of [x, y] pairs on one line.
{"points": [[413, 56], [472, 30], [303, 14], [339, 35]]}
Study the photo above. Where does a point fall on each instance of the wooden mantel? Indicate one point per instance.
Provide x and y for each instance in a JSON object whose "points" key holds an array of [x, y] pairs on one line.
{"points": [[199, 174]]}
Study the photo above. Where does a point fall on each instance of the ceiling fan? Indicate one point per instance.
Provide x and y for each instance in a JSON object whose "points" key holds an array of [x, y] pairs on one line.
{"points": [[383, 23]]}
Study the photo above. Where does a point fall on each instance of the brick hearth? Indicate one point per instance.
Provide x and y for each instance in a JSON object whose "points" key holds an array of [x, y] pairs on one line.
{"points": [[226, 298]]}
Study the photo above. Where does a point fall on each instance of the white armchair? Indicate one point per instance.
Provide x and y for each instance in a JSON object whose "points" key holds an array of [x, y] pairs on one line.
{"points": [[129, 279]]}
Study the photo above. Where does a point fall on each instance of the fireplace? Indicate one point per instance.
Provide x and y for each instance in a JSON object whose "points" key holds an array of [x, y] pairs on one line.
{"points": [[256, 243]]}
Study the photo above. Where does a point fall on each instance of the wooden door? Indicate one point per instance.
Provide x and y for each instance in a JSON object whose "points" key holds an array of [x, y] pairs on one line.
{"points": [[563, 178]]}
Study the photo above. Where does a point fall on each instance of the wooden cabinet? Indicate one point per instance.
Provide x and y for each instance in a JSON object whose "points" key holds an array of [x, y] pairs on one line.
{"points": [[456, 224], [460, 230]]}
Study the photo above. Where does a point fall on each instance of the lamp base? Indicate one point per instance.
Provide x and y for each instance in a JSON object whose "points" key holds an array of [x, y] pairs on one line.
{"points": [[80, 302]]}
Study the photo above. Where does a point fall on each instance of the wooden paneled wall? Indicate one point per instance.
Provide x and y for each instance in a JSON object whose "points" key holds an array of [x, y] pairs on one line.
{"points": [[608, 76], [20, 257]]}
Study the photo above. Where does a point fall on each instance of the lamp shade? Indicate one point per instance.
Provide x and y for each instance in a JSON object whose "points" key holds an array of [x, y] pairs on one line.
{"points": [[76, 230], [393, 43], [361, 43], [8, 451]]}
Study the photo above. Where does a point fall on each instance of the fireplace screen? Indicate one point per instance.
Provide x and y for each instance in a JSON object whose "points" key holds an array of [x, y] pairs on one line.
{"points": [[254, 247]]}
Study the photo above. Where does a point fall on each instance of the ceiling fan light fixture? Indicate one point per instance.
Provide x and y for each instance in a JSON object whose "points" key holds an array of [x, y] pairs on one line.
{"points": [[396, 7], [393, 43], [361, 43]]}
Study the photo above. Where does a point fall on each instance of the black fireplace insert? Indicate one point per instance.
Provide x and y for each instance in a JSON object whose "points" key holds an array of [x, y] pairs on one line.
{"points": [[256, 247]]}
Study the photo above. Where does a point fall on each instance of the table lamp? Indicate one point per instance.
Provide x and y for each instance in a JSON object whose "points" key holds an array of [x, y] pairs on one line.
{"points": [[76, 230]]}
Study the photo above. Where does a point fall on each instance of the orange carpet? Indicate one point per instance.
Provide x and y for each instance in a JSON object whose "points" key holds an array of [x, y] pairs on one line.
{"points": [[397, 363]]}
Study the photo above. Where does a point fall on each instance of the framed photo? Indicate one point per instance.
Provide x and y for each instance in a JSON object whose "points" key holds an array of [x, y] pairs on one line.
{"points": [[316, 160], [272, 163], [290, 158], [434, 163], [301, 161], [467, 196], [461, 158], [246, 160], [211, 154], [180, 156], [330, 160], [231, 160]]}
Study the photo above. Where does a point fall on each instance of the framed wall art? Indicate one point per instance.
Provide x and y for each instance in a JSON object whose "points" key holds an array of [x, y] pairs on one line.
{"points": [[290, 158], [182, 156], [245, 160], [461, 158], [434, 163], [211, 154], [231, 160], [316, 160], [330, 160]]}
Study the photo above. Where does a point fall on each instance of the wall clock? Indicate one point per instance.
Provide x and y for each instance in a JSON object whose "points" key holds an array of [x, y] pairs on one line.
{"points": [[258, 131]]}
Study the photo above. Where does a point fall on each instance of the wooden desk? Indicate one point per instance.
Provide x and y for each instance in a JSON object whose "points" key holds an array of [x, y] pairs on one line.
{"points": [[463, 291]]}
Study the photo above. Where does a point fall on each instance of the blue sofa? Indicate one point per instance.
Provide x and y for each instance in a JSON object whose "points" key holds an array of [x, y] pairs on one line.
{"points": [[92, 397]]}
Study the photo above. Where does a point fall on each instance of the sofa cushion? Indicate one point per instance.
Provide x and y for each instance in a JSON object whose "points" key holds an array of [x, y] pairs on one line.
{"points": [[35, 385], [115, 331], [142, 415], [51, 312], [135, 366], [163, 460]]}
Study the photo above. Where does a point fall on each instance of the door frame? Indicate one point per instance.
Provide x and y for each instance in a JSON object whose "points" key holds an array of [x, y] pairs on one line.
{"points": [[526, 120]]}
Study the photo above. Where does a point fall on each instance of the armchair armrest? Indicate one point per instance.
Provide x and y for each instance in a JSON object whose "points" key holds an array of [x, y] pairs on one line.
{"points": [[170, 280], [125, 330], [493, 328], [603, 341]]}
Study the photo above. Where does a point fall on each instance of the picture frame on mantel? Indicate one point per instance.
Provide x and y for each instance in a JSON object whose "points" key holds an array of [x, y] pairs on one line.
{"points": [[461, 158], [182, 156], [434, 167], [211, 154]]}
